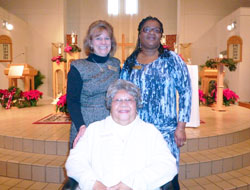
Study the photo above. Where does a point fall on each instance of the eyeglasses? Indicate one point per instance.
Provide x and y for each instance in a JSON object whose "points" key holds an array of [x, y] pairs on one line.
{"points": [[120, 101], [149, 29]]}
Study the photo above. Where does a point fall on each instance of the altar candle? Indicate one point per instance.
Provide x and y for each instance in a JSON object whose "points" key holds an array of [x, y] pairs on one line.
{"points": [[73, 37], [59, 50], [220, 56]]}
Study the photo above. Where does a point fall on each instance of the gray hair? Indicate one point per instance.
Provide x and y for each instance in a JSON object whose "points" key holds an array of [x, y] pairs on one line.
{"points": [[129, 87]]}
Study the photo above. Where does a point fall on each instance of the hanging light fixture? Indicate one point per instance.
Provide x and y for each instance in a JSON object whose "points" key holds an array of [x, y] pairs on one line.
{"points": [[7, 25], [231, 26]]}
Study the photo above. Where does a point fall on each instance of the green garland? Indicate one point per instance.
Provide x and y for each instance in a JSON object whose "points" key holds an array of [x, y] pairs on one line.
{"points": [[211, 63]]}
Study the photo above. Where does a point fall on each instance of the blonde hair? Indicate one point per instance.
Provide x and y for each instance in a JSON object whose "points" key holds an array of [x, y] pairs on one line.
{"points": [[95, 29]]}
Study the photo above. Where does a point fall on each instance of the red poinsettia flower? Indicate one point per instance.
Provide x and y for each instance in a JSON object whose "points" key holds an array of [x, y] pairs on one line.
{"points": [[68, 48]]}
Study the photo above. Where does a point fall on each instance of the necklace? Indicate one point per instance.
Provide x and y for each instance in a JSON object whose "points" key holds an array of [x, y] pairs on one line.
{"points": [[101, 69]]}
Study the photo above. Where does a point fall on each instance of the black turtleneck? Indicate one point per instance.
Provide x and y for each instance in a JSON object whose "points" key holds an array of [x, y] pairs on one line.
{"points": [[74, 88], [97, 59]]}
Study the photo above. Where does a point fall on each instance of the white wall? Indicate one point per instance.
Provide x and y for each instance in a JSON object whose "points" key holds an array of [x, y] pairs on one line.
{"points": [[45, 24], [214, 41], [50, 20], [80, 14], [19, 37]]}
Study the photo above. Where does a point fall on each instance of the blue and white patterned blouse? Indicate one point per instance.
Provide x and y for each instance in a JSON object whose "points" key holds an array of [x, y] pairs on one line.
{"points": [[159, 82]]}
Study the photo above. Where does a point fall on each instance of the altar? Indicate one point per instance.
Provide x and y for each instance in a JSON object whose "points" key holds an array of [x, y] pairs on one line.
{"points": [[195, 111]]}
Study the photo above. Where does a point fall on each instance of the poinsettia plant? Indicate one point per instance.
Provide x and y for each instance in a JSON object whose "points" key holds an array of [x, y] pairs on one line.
{"points": [[61, 104], [202, 99], [9, 97], [229, 96], [32, 96], [72, 48], [58, 59], [14, 97]]}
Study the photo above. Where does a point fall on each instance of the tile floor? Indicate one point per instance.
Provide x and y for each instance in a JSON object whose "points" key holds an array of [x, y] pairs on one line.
{"points": [[211, 149]]}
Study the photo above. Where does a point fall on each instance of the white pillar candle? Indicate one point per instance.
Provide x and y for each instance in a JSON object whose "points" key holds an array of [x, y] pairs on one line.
{"points": [[59, 50], [73, 37]]}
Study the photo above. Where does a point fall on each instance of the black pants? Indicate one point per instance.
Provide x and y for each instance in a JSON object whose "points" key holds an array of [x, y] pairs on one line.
{"points": [[172, 185]]}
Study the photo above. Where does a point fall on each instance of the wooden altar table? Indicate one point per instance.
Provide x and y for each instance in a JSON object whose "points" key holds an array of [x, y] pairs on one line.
{"points": [[27, 76]]}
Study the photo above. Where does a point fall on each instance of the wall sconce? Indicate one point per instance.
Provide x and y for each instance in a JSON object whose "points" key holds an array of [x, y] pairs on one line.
{"points": [[231, 26], [7, 25]]}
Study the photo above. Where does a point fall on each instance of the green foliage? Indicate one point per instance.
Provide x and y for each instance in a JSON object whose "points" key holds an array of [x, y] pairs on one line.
{"points": [[39, 79], [211, 63]]}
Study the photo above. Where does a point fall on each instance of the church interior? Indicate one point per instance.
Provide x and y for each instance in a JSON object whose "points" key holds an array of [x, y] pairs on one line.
{"points": [[33, 152]]}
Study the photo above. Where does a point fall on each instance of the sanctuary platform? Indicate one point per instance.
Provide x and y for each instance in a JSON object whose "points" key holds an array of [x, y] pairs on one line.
{"points": [[216, 156]]}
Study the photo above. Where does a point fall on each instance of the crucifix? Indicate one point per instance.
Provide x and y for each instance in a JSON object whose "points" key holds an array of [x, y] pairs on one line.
{"points": [[123, 44]]}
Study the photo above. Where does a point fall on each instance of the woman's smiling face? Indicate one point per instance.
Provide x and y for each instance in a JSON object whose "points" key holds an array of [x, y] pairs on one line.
{"points": [[101, 43], [150, 35]]}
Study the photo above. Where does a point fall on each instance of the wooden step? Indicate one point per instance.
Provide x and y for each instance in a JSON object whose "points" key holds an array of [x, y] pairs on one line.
{"points": [[214, 161], [31, 166], [233, 180]]}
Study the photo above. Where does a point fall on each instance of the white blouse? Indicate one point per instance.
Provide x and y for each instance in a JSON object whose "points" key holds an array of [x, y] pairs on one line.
{"points": [[136, 155]]}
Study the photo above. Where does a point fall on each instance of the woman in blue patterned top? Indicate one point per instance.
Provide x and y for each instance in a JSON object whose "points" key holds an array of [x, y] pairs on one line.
{"points": [[159, 73]]}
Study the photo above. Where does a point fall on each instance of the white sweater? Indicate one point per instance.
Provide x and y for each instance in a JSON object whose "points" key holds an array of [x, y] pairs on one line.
{"points": [[136, 155]]}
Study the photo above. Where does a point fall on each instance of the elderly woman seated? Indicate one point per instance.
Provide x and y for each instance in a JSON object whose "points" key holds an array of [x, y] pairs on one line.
{"points": [[121, 152]]}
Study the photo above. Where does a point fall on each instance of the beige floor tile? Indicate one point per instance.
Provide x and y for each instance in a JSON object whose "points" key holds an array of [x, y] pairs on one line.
{"points": [[189, 183], [245, 179], [203, 143], [225, 176], [25, 171], [18, 144], [3, 168], [38, 173], [4, 187], [244, 171], [25, 184], [53, 174], [211, 187], [226, 185], [37, 186], [202, 181], [237, 183], [12, 169], [8, 142], [227, 164], [39, 146], [12, 182], [28, 145], [214, 178], [52, 186], [3, 179], [205, 169], [217, 166], [192, 171]]}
